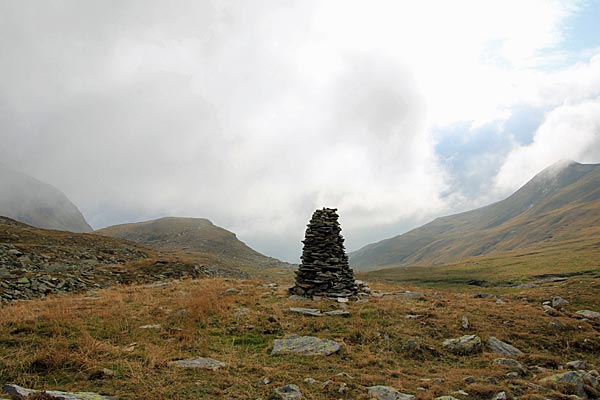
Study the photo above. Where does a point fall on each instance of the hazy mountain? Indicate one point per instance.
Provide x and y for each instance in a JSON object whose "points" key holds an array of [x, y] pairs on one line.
{"points": [[560, 203], [194, 237], [28, 200]]}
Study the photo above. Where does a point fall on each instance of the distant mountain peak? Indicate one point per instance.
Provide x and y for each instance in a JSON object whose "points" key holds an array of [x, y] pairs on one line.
{"points": [[36, 203]]}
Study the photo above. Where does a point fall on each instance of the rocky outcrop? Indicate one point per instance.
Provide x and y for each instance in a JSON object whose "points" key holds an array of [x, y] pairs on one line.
{"points": [[324, 270]]}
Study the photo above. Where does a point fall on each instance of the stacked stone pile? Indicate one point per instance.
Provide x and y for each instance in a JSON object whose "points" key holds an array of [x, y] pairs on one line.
{"points": [[324, 270]]}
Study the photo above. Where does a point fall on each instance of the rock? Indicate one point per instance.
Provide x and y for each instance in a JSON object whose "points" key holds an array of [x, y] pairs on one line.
{"points": [[324, 270], [387, 393], [588, 314], [230, 291], [296, 297], [289, 392], [155, 326], [470, 379], [513, 375], [500, 396], [266, 380], [307, 311], [18, 392], [339, 313], [465, 324], [466, 344], [199, 362], [550, 311], [577, 380], [510, 363], [577, 364], [446, 398], [500, 301], [157, 285], [310, 381], [503, 348], [558, 302], [305, 345], [413, 295]]}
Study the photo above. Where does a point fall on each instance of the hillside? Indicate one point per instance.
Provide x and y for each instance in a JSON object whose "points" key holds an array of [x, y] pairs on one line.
{"points": [[562, 203], [194, 237], [35, 203], [35, 262]]}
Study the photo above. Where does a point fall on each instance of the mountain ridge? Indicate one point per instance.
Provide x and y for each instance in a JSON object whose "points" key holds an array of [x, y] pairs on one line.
{"points": [[33, 202], [551, 206]]}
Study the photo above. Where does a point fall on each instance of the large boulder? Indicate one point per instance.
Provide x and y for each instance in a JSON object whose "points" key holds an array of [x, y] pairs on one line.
{"points": [[500, 347]]}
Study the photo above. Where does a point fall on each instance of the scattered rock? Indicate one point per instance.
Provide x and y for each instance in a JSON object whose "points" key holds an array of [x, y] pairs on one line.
{"points": [[340, 313], [305, 345], [266, 380], [576, 381], [588, 314], [510, 363], [446, 398], [387, 393], [577, 364], [550, 311], [289, 392], [466, 344], [199, 362], [310, 381], [18, 392], [500, 396], [470, 379], [413, 295], [558, 302], [503, 348], [230, 291], [307, 311], [465, 324], [155, 326]]}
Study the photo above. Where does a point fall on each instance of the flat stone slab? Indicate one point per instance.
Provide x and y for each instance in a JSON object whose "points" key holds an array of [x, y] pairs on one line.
{"points": [[588, 314], [154, 326], [380, 392], [18, 392], [306, 311], [339, 313], [498, 346], [199, 362], [305, 345]]}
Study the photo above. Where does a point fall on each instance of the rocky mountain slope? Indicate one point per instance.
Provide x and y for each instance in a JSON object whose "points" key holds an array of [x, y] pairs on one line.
{"points": [[194, 237], [562, 203], [38, 204], [35, 262]]}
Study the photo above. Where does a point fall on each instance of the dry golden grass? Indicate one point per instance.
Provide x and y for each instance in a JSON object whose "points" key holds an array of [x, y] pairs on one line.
{"points": [[65, 342]]}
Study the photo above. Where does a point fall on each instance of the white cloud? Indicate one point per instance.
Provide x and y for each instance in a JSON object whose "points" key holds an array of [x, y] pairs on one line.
{"points": [[571, 131]]}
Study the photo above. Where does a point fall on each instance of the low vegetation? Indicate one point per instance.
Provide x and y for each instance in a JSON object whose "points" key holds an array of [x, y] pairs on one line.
{"points": [[94, 342]]}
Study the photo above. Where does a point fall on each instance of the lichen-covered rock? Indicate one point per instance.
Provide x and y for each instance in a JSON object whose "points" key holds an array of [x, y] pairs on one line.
{"points": [[466, 344], [588, 314], [306, 311], [575, 381], [18, 392], [199, 362], [380, 392], [500, 347], [289, 392], [305, 345]]}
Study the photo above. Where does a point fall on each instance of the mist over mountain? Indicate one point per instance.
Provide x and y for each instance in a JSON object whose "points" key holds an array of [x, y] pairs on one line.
{"points": [[39, 204], [560, 203]]}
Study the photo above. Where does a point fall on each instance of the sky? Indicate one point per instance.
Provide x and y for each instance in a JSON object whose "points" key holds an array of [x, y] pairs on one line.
{"points": [[254, 114]]}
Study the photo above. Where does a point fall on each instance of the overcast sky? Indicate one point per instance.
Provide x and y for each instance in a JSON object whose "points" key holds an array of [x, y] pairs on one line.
{"points": [[255, 113]]}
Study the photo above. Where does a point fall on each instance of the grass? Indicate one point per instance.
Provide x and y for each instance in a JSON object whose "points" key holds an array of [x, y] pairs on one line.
{"points": [[64, 343], [509, 268]]}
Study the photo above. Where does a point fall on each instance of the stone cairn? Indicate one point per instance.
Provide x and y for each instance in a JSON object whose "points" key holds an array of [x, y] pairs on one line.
{"points": [[324, 270]]}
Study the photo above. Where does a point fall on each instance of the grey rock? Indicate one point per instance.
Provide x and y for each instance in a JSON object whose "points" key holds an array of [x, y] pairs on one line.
{"points": [[465, 324], [306, 311], [230, 291], [446, 398], [387, 393], [577, 364], [500, 396], [289, 392], [305, 345], [310, 380], [466, 344], [503, 348], [339, 313], [18, 392], [199, 362], [154, 326], [576, 379], [558, 302], [588, 314]]}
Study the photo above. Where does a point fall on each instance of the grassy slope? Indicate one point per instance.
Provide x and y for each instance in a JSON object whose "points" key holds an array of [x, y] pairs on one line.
{"points": [[549, 209], [196, 238], [63, 343]]}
